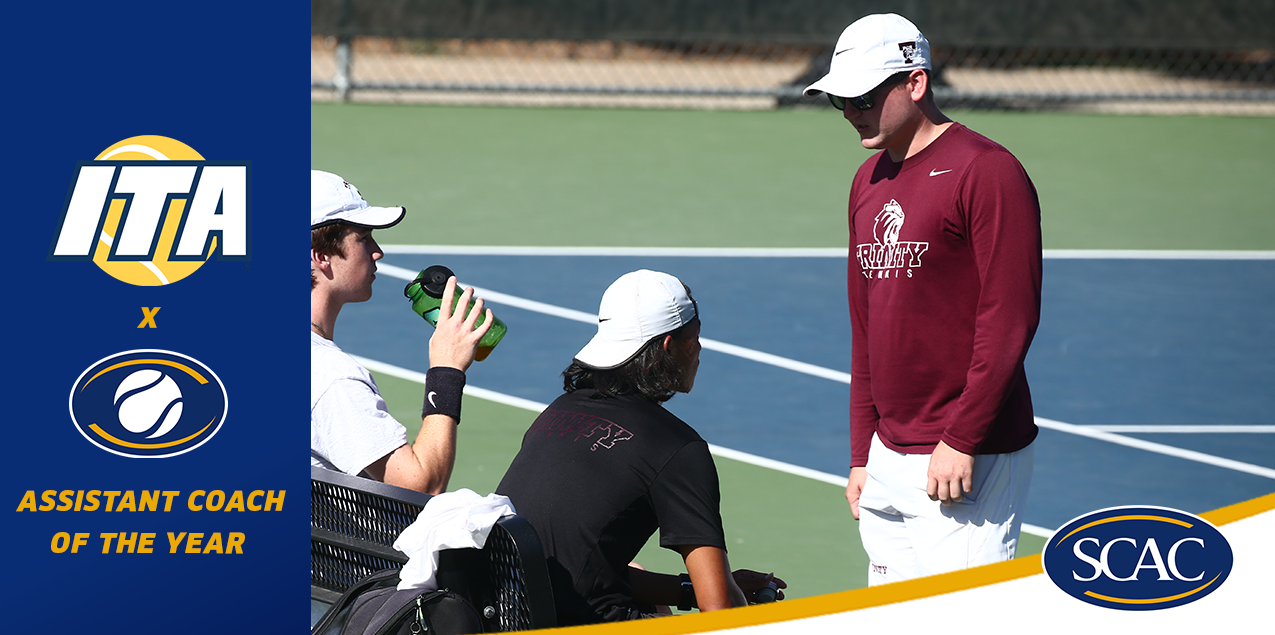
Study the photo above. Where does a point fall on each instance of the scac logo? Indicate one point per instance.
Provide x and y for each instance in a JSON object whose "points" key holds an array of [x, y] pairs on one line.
{"points": [[150, 211], [1138, 558], [148, 404]]}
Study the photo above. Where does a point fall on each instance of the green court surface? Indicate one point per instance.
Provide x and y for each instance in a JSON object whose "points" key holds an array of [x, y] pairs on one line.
{"points": [[796, 527], [670, 178]]}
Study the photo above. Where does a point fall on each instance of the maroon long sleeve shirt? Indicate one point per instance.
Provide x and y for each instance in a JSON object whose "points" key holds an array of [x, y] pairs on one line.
{"points": [[944, 285]]}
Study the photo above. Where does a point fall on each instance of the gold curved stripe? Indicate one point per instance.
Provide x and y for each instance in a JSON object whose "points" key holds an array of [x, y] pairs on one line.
{"points": [[1240, 511], [1153, 600], [816, 606], [142, 446], [188, 370], [1116, 518], [867, 597]]}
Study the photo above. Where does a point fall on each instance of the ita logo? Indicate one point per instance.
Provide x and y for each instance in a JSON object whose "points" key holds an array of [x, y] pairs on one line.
{"points": [[150, 211], [148, 403], [1138, 558]]}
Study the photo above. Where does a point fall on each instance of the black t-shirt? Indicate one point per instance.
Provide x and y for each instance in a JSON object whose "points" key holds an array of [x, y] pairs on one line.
{"points": [[596, 477]]}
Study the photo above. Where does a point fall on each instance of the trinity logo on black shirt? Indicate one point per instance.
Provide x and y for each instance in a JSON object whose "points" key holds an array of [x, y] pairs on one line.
{"points": [[561, 423]]}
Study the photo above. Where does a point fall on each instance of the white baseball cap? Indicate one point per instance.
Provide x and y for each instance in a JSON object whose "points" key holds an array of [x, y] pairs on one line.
{"points": [[869, 52], [333, 199], [637, 307]]}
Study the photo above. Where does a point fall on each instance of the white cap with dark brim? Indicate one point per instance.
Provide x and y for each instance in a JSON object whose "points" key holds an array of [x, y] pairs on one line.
{"points": [[637, 307], [334, 200], [869, 52]]}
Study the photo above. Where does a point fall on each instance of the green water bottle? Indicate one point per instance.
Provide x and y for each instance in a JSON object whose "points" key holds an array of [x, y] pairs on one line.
{"points": [[426, 294]]}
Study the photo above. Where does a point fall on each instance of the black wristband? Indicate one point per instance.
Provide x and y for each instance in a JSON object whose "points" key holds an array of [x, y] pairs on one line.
{"points": [[686, 601], [443, 388]]}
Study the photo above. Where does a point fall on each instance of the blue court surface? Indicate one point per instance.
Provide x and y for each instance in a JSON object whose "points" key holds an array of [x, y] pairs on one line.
{"points": [[1153, 379]]}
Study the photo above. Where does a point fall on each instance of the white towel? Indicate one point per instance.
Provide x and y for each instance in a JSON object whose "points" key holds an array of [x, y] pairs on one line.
{"points": [[451, 520]]}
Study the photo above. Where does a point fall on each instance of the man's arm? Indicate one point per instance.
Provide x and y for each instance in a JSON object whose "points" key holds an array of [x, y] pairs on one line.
{"points": [[649, 587], [426, 464], [854, 488], [715, 586], [1003, 218], [863, 411]]}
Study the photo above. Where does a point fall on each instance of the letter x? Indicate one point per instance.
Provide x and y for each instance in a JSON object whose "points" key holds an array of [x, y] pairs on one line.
{"points": [[148, 319]]}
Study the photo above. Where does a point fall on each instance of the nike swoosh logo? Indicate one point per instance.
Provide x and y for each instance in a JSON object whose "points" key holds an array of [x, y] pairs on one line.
{"points": [[938, 172], [430, 396], [841, 51], [601, 320]]}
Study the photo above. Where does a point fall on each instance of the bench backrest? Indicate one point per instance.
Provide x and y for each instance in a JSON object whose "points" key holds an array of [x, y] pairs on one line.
{"points": [[354, 522]]}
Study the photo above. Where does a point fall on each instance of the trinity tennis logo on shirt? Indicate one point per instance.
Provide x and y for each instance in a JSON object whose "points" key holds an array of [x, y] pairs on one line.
{"points": [[150, 211], [148, 403], [887, 256], [1138, 558], [561, 423]]}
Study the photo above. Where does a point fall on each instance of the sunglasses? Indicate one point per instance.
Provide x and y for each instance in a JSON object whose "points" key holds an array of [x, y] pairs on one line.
{"points": [[860, 103], [866, 101]]}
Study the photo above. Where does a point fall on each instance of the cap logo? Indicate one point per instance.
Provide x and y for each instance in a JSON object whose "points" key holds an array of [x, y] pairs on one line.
{"points": [[909, 51]]}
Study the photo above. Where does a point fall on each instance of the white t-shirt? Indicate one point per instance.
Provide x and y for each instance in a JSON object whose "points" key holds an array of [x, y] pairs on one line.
{"points": [[349, 425]]}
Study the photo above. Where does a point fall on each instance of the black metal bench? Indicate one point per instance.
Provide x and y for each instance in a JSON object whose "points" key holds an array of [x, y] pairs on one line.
{"points": [[354, 522]]}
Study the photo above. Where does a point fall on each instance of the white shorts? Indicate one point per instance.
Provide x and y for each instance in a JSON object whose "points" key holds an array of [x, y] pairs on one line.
{"points": [[907, 535]]}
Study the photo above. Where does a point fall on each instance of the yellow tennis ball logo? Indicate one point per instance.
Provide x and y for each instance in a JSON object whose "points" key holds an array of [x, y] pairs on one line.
{"points": [[160, 270], [150, 211]]}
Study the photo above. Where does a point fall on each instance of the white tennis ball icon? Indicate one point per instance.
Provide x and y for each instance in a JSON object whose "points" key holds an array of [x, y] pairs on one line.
{"points": [[149, 399]]}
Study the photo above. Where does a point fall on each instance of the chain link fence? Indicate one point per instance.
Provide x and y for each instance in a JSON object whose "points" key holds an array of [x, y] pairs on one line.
{"points": [[1217, 66]]}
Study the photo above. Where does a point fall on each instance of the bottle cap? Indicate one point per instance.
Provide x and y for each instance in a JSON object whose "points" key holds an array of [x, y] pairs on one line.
{"points": [[768, 593], [434, 280]]}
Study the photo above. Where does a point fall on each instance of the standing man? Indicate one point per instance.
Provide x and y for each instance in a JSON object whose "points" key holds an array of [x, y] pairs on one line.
{"points": [[944, 288], [350, 429], [605, 465]]}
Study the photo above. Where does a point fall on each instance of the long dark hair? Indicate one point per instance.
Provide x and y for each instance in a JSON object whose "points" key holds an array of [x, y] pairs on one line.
{"points": [[652, 372]]}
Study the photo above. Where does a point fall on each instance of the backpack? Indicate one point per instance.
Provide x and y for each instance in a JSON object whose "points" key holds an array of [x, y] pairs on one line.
{"points": [[374, 606]]}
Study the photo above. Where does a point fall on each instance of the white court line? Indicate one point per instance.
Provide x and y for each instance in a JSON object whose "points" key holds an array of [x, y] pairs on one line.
{"points": [[766, 358], [803, 252], [537, 407], [1158, 448], [590, 318], [705, 252], [1156, 254], [1185, 429], [717, 450]]}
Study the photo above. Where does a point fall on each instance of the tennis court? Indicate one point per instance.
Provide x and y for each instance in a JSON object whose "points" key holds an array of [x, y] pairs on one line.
{"points": [[1151, 375]]}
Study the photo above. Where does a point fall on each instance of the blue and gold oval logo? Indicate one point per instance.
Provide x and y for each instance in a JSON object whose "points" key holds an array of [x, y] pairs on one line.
{"points": [[1138, 558], [148, 403]]}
